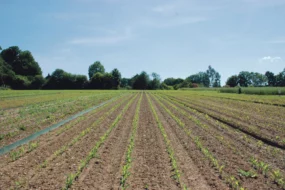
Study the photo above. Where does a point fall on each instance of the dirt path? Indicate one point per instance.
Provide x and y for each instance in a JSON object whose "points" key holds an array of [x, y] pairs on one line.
{"points": [[151, 167]]}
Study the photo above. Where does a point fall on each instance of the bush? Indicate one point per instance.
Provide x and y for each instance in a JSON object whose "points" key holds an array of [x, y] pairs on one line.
{"points": [[164, 86]]}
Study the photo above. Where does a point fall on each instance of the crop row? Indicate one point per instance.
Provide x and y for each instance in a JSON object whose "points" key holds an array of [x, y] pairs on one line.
{"points": [[83, 133], [128, 159], [276, 175], [48, 109], [85, 117], [263, 116], [246, 140], [170, 150], [230, 179], [16, 100], [41, 119], [73, 176], [22, 150], [266, 135]]}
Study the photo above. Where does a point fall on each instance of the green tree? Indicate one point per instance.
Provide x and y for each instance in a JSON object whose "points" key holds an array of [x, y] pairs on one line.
{"points": [[96, 81], [201, 78], [258, 79], [270, 78], [141, 81], [155, 82], [96, 67], [185, 84], [173, 81], [11, 54], [22, 62], [20, 70], [116, 78], [126, 83], [232, 81], [164, 86], [280, 79], [214, 77], [244, 78], [60, 79], [37, 82], [7, 75], [101, 81], [217, 80]]}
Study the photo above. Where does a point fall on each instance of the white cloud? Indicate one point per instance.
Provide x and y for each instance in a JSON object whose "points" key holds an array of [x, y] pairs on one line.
{"points": [[270, 59]]}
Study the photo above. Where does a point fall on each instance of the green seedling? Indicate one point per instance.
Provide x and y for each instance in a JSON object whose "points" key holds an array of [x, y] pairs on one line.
{"points": [[248, 174]]}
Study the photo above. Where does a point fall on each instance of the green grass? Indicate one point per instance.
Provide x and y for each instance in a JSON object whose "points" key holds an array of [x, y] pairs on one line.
{"points": [[255, 90]]}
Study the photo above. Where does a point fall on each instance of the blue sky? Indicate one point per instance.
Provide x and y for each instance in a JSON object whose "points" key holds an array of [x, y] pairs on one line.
{"points": [[174, 38]]}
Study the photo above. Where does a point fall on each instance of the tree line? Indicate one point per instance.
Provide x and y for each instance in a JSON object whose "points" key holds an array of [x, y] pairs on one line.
{"points": [[245, 79], [19, 70]]}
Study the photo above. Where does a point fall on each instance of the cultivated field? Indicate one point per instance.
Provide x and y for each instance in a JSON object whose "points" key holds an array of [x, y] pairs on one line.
{"points": [[143, 140]]}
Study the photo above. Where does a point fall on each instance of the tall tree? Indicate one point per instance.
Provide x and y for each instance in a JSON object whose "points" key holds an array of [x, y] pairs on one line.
{"points": [[141, 81], [116, 78], [244, 78], [24, 71], [126, 83], [280, 79], [217, 80], [214, 77], [270, 78], [258, 79], [11, 54], [96, 67], [155, 82]]}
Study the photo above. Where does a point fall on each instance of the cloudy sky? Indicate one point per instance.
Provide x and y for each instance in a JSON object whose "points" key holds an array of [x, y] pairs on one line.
{"points": [[174, 38]]}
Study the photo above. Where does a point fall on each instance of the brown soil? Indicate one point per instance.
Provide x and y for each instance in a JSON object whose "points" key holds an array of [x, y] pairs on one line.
{"points": [[54, 176], [265, 134], [151, 167], [236, 139], [233, 162], [101, 171], [48, 144], [35, 122]]}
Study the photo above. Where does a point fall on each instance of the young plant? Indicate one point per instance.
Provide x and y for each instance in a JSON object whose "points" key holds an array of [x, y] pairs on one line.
{"points": [[125, 172], [94, 150]]}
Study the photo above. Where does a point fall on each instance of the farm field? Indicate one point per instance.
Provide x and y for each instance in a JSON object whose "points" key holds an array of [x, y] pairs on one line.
{"points": [[143, 140]]}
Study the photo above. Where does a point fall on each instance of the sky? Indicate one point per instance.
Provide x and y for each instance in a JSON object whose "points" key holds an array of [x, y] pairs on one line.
{"points": [[174, 38]]}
